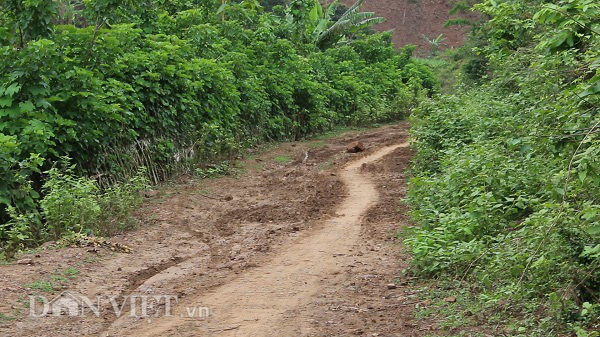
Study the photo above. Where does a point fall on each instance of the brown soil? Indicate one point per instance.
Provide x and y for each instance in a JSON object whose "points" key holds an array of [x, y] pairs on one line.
{"points": [[411, 19], [302, 248]]}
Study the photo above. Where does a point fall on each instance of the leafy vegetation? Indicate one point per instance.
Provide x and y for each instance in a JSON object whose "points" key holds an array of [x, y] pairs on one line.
{"points": [[73, 204], [505, 187], [56, 281], [282, 159], [434, 43], [171, 86], [4, 317]]}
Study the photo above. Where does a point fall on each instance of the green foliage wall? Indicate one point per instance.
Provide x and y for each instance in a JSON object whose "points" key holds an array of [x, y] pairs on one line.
{"points": [[506, 186]]}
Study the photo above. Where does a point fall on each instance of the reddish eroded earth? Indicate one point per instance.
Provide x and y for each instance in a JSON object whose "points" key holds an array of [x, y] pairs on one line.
{"points": [[409, 20], [302, 243]]}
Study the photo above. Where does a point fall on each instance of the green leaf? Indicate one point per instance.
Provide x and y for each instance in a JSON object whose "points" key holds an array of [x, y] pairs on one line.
{"points": [[332, 8], [313, 16], [34, 194], [38, 90], [11, 112], [594, 230], [582, 175], [590, 251], [12, 89], [5, 102], [222, 8], [26, 106], [554, 300], [591, 90], [589, 214]]}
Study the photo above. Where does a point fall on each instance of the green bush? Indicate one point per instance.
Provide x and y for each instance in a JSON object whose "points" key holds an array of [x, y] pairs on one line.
{"points": [[505, 184], [73, 204], [493, 202], [70, 203]]}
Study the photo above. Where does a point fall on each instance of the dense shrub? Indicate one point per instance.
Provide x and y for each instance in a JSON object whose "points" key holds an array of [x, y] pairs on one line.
{"points": [[72, 204], [506, 185]]}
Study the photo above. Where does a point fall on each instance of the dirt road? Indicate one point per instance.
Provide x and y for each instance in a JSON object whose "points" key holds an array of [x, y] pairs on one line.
{"points": [[256, 303], [302, 244]]}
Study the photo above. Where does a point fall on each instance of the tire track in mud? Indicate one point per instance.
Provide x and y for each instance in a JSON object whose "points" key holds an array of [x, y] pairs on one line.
{"points": [[261, 301]]}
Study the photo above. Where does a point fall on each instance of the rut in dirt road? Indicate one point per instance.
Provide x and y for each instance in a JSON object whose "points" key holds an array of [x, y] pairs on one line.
{"points": [[260, 301]]}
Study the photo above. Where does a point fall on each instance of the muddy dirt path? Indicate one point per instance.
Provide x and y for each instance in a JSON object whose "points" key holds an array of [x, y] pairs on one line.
{"points": [[300, 241], [256, 303]]}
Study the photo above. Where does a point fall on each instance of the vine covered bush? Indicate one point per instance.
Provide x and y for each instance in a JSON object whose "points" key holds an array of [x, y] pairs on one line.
{"points": [[117, 85], [506, 180]]}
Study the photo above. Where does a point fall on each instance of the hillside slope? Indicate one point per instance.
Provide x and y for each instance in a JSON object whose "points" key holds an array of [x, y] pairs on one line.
{"points": [[410, 19]]}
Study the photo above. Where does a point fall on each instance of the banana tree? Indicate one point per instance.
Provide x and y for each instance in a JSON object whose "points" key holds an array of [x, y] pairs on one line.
{"points": [[318, 25], [435, 43]]}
